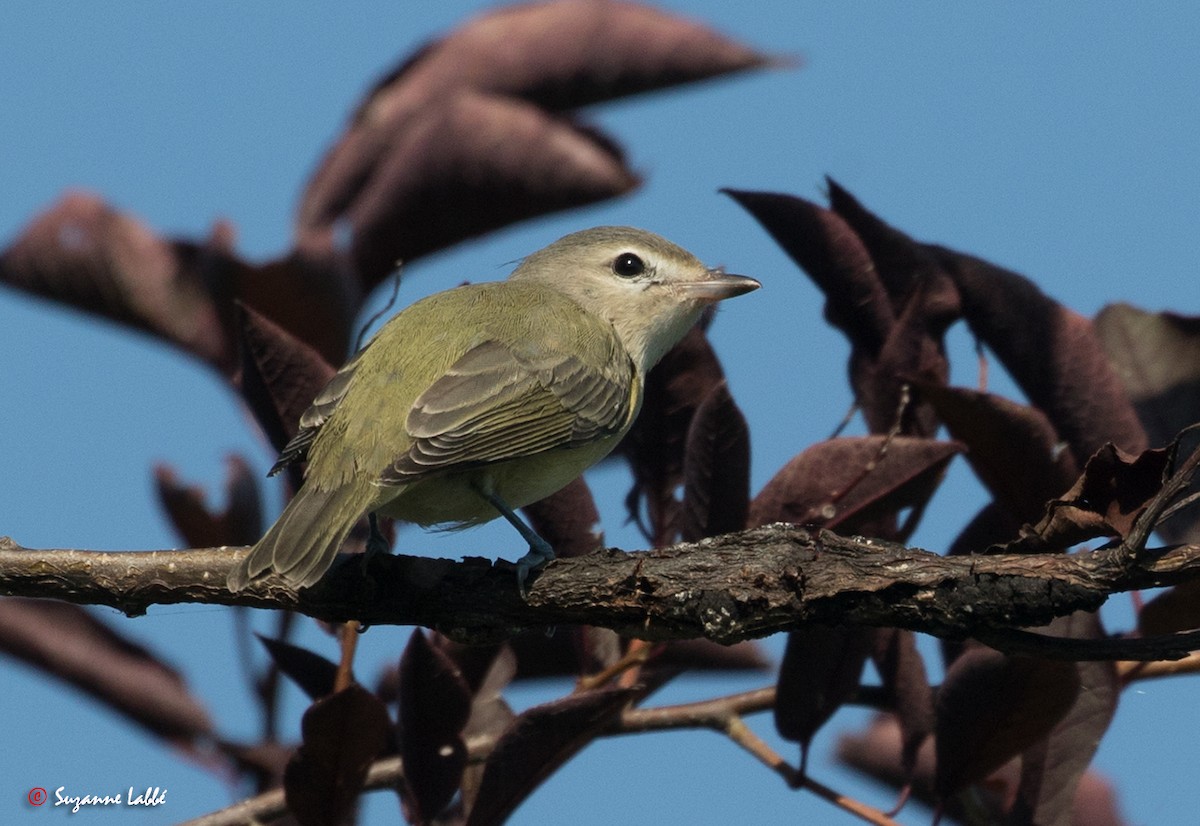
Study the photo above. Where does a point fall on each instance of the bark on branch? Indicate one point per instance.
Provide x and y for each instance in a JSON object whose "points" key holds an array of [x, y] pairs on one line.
{"points": [[728, 588]]}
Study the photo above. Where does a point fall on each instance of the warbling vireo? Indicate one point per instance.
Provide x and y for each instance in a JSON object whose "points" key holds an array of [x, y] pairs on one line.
{"points": [[487, 397]]}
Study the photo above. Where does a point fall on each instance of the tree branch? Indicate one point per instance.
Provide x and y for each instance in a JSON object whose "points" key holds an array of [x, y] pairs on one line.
{"points": [[729, 588]]}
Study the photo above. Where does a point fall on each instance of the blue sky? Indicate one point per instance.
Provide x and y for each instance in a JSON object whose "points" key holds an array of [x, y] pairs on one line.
{"points": [[1059, 145]]}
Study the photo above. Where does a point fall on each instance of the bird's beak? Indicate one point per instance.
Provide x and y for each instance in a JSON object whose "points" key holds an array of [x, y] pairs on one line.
{"points": [[719, 285]]}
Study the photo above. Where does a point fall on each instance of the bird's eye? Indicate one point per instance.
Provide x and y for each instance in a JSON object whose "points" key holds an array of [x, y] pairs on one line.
{"points": [[627, 265]]}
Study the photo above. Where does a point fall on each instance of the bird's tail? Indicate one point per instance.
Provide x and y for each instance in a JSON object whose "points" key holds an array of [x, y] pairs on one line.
{"points": [[303, 542]]}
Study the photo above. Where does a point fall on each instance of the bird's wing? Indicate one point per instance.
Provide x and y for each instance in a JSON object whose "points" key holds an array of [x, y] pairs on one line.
{"points": [[322, 408], [493, 404]]}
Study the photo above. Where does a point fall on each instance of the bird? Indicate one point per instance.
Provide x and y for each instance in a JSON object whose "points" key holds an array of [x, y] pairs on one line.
{"points": [[481, 399]]}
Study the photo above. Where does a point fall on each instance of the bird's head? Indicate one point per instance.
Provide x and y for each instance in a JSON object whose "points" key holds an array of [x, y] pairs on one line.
{"points": [[649, 289]]}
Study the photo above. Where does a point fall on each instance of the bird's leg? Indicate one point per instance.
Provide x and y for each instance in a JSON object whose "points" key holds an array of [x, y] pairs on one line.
{"points": [[377, 544], [540, 551]]}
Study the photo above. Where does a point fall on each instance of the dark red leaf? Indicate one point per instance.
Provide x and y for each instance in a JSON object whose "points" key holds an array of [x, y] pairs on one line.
{"points": [[1105, 501], [1157, 356], [1012, 448], [568, 520], [572, 53], [84, 253], [846, 483], [907, 268], [470, 133], [716, 468], [68, 642], [906, 685], [491, 716], [1176, 609], [884, 290], [341, 735], [1052, 769], [435, 704], [1052, 352], [992, 707], [820, 670], [313, 293], [655, 444], [537, 743], [313, 673], [280, 375], [239, 524], [828, 249], [470, 164]]}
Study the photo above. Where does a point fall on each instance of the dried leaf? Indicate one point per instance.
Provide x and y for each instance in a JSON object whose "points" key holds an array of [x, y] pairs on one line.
{"points": [[821, 669], [341, 735], [280, 375], [67, 642], [470, 134], [1051, 770], [1012, 448], [537, 743], [84, 253], [1157, 356], [435, 704], [716, 468], [846, 483], [992, 707], [1052, 352], [313, 673], [1105, 501], [680, 383], [239, 524]]}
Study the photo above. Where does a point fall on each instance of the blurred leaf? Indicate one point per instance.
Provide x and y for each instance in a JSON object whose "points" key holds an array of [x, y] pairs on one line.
{"points": [[1157, 356], [67, 642], [435, 704], [280, 375], [992, 707], [568, 520], [312, 292], [716, 468], [239, 524], [875, 751], [474, 131], [655, 444], [1176, 609], [821, 669], [341, 735], [1105, 501], [845, 483], [1012, 448], [84, 253], [906, 686], [1052, 352], [1051, 770], [537, 743], [313, 673], [491, 715]]}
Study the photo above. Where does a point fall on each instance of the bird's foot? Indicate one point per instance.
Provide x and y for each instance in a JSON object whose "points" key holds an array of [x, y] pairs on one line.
{"points": [[540, 553]]}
